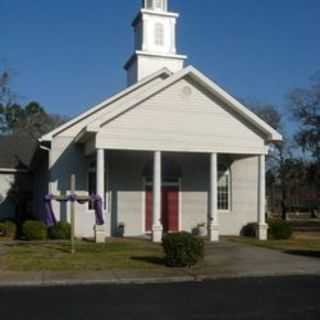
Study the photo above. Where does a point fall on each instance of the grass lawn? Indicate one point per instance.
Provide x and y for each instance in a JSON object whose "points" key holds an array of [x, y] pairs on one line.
{"points": [[301, 244], [55, 256]]}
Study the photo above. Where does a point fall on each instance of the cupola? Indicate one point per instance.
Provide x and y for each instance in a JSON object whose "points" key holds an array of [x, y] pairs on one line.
{"points": [[155, 41]]}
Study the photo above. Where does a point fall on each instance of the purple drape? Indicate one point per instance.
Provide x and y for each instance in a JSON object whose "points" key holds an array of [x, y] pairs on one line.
{"points": [[97, 204], [50, 218], [96, 201]]}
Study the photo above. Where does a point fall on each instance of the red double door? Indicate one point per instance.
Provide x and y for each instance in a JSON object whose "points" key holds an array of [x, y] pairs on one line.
{"points": [[170, 208]]}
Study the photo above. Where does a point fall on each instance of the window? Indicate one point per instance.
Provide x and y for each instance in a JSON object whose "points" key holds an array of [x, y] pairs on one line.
{"points": [[159, 34], [224, 189]]}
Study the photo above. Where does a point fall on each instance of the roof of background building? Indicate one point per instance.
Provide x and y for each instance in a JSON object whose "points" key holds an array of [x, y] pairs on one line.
{"points": [[16, 152]]}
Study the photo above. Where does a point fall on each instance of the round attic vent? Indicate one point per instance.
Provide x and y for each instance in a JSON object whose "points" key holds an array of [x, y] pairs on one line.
{"points": [[187, 91]]}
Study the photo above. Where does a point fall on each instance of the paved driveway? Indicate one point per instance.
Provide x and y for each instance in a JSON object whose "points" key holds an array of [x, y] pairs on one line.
{"points": [[227, 259]]}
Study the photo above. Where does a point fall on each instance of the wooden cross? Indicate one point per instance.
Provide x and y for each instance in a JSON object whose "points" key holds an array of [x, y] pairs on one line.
{"points": [[73, 208]]}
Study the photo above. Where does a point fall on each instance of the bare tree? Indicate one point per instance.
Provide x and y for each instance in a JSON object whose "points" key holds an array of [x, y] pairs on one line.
{"points": [[279, 164], [305, 107]]}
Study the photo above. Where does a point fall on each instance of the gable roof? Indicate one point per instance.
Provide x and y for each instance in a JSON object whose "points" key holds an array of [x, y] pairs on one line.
{"points": [[271, 134], [16, 152], [161, 73]]}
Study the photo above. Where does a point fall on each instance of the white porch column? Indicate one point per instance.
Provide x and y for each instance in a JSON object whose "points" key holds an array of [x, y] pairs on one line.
{"points": [[213, 225], [262, 226], [100, 232], [157, 225]]}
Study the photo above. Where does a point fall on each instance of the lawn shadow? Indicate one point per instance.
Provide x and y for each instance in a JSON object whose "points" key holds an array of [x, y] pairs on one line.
{"points": [[159, 261], [60, 246], [305, 253]]}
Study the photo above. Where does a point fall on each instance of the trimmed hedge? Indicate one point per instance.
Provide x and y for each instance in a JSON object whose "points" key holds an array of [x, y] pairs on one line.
{"points": [[61, 231], [182, 249], [249, 230], [8, 229], [34, 230], [280, 230]]}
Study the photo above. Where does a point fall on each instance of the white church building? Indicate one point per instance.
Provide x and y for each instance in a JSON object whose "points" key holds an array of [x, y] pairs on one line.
{"points": [[170, 152]]}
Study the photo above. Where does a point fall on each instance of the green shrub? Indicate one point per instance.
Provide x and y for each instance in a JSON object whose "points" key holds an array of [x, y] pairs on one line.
{"points": [[8, 229], [280, 230], [249, 230], [61, 231], [34, 230], [182, 249]]}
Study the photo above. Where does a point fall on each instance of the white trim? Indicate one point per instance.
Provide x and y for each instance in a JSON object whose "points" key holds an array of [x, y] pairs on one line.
{"points": [[161, 55], [112, 146], [49, 136], [160, 13], [145, 184], [153, 54]]}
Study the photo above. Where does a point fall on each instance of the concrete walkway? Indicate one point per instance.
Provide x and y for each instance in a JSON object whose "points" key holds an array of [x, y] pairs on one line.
{"points": [[223, 260], [232, 259]]}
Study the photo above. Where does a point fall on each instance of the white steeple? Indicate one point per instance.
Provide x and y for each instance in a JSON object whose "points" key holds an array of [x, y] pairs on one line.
{"points": [[155, 41]]}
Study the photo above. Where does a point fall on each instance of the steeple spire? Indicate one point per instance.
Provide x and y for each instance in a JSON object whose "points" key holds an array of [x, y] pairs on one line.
{"points": [[155, 41]]}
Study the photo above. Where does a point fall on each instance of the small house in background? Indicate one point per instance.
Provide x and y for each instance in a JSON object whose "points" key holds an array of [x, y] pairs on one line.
{"points": [[16, 181]]}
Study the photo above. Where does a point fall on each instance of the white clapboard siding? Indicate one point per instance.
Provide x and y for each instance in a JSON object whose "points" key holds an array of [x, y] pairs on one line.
{"points": [[181, 118]]}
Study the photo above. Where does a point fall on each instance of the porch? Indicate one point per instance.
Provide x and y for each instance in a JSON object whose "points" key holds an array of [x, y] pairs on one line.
{"points": [[152, 192]]}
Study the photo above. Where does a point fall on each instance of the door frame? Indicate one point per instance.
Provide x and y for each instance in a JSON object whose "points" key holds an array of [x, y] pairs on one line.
{"points": [[145, 184]]}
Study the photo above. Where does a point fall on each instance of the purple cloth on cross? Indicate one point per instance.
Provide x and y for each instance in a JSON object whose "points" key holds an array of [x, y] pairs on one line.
{"points": [[72, 198], [50, 218], [97, 204], [96, 201]]}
